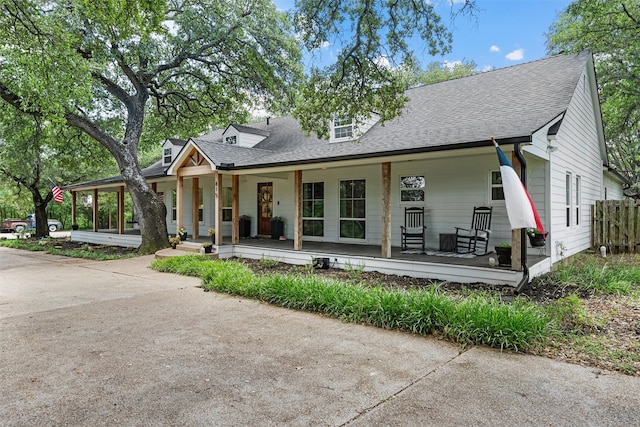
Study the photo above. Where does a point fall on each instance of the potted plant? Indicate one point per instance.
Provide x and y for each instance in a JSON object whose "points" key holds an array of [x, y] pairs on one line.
{"points": [[74, 226], [503, 251], [182, 232], [174, 241], [207, 247], [212, 233], [245, 226], [536, 237], [277, 227]]}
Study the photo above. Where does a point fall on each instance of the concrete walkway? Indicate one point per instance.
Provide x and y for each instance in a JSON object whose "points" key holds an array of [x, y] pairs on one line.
{"points": [[86, 343]]}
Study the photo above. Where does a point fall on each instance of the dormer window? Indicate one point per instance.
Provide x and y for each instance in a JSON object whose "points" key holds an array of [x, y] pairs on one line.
{"points": [[167, 156], [231, 140], [342, 128]]}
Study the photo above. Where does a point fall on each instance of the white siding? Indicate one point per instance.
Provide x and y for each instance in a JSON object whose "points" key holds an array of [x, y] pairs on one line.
{"points": [[578, 153]]}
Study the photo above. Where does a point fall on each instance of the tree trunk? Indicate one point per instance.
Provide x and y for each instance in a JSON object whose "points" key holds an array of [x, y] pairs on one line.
{"points": [[150, 210], [42, 223]]}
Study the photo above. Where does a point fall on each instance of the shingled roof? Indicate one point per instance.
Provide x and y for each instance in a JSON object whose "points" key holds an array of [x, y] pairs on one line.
{"points": [[509, 103]]}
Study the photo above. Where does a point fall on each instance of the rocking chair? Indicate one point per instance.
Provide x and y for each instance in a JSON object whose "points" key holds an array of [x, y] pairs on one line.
{"points": [[413, 230], [476, 238]]}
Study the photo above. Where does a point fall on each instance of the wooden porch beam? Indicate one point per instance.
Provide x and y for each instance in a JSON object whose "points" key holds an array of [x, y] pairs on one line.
{"points": [[218, 202], [195, 204], [95, 210], [120, 208], [297, 210], [179, 213], [195, 170], [386, 211], [235, 210]]}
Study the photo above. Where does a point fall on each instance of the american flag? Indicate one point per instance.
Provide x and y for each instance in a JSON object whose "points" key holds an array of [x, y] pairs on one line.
{"points": [[57, 193]]}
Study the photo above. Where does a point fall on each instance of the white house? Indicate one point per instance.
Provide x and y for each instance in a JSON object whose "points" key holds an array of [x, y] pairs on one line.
{"points": [[345, 198]]}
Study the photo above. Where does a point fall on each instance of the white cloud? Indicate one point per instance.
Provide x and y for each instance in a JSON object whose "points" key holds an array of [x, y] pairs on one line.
{"points": [[494, 48], [451, 65], [515, 55]]}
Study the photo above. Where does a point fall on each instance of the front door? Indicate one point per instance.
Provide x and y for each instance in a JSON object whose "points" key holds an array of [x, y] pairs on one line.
{"points": [[265, 207]]}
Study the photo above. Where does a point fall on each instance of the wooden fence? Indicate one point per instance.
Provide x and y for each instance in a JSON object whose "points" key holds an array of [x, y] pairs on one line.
{"points": [[616, 225]]}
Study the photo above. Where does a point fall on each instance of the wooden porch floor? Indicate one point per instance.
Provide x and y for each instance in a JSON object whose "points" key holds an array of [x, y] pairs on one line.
{"points": [[373, 251]]}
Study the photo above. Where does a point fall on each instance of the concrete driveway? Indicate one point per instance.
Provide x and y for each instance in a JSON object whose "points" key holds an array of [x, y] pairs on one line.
{"points": [[87, 343]]}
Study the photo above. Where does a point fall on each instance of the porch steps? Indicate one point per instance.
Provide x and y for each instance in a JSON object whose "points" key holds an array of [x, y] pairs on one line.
{"points": [[183, 249]]}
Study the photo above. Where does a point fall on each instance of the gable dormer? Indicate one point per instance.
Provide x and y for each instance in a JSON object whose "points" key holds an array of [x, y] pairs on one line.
{"points": [[344, 128], [243, 136], [170, 149]]}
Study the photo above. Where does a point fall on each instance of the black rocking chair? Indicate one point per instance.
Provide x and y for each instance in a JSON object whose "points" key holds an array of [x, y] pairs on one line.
{"points": [[413, 230], [476, 238]]}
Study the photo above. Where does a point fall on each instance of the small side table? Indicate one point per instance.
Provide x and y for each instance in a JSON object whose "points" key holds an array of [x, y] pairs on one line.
{"points": [[448, 242]]}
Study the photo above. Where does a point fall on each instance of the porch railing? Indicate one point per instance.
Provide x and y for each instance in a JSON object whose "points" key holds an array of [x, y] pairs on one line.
{"points": [[616, 225]]}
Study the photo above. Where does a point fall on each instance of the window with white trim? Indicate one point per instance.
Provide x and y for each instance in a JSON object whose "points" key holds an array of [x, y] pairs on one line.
{"points": [[342, 127], [167, 156], [568, 198], [200, 205], [578, 196], [353, 208], [174, 200], [227, 211], [231, 140], [412, 188], [313, 209], [495, 183]]}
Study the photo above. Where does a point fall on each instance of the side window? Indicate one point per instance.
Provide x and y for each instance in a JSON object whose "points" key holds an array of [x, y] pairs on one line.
{"points": [[313, 209], [567, 197], [200, 204], [174, 200], [495, 183], [578, 195], [342, 128], [167, 156], [412, 188], [226, 204]]}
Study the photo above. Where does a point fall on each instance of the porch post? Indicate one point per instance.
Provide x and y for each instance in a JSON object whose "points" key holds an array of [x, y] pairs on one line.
{"points": [[74, 209], [386, 211], [516, 238], [297, 210], [235, 210], [195, 199], [95, 210], [179, 213], [218, 196], [120, 205]]}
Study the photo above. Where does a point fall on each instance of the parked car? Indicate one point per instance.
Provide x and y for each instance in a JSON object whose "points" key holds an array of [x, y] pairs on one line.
{"points": [[19, 225]]}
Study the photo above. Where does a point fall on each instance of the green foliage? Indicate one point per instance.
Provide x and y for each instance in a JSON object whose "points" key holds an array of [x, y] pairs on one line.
{"points": [[570, 314], [474, 320], [610, 30], [268, 262], [588, 274], [50, 246], [372, 39]]}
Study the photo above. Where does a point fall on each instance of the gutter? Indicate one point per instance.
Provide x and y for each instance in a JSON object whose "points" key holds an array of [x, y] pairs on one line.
{"points": [[523, 231]]}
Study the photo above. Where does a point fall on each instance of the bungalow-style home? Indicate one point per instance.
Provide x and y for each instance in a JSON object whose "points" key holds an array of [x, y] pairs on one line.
{"points": [[346, 200]]}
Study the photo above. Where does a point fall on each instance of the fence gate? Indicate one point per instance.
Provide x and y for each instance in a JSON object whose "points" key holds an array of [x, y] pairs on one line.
{"points": [[616, 225]]}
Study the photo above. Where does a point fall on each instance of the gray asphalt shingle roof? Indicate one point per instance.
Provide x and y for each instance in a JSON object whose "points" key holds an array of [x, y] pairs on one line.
{"points": [[509, 103]]}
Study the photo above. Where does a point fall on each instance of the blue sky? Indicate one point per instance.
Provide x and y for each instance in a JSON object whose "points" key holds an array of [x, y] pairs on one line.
{"points": [[504, 33]]}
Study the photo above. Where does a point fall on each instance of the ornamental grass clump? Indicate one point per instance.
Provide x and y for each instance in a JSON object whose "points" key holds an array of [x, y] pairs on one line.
{"points": [[471, 320]]}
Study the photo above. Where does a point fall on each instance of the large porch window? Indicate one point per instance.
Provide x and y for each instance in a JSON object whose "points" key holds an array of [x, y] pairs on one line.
{"points": [[227, 212], [200, 205], [174, 201], [353, 208], [313, 209]]}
